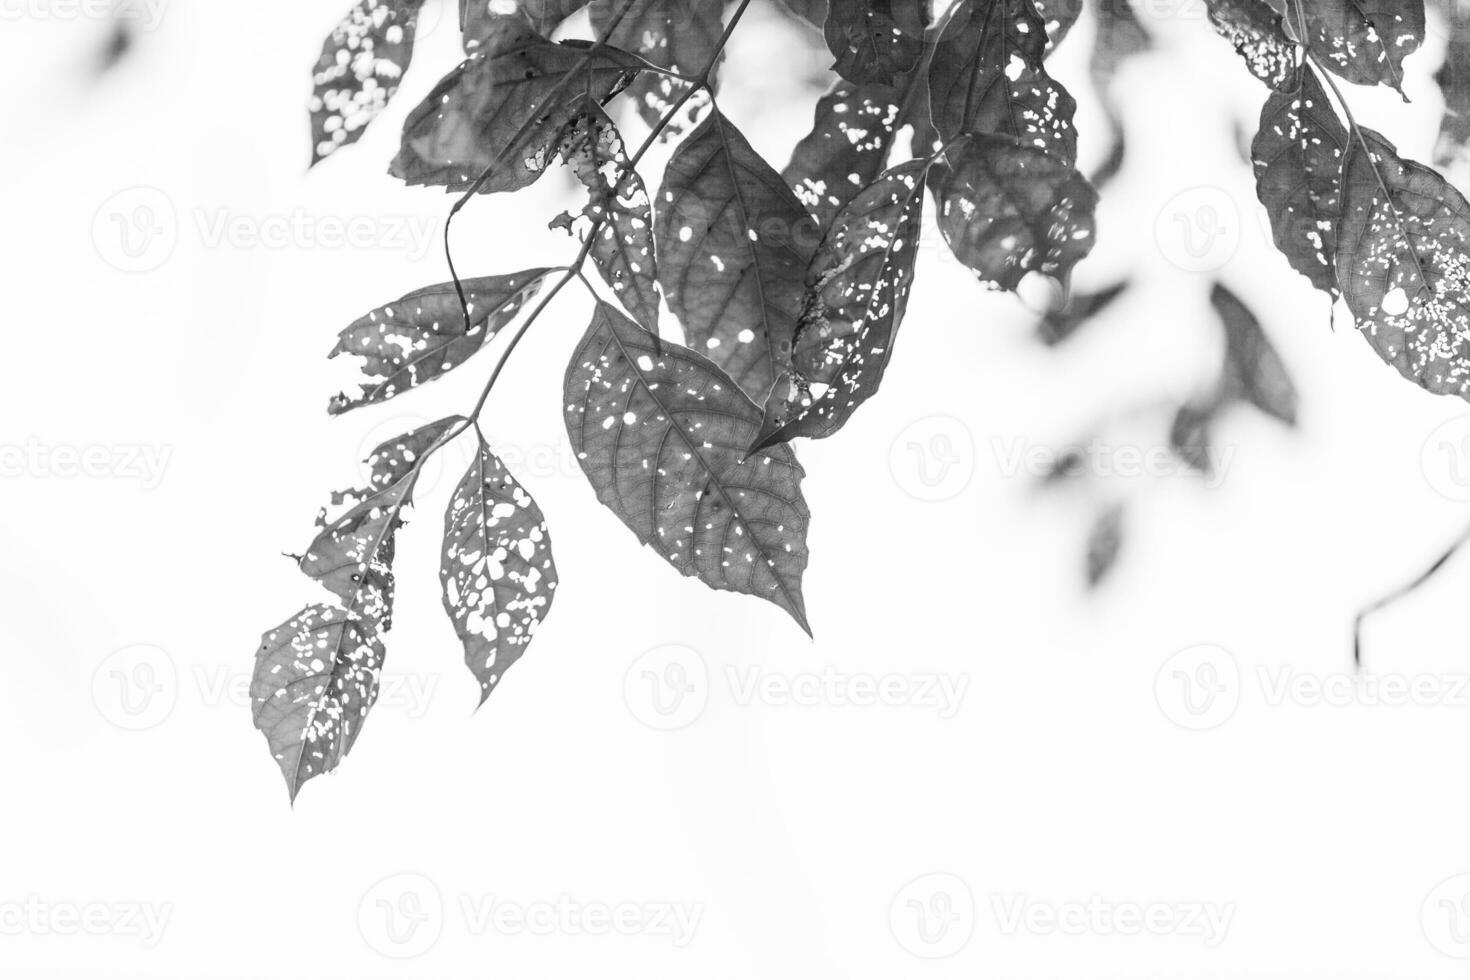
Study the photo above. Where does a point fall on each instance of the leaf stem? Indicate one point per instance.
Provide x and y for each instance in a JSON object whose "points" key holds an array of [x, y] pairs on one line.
{"points": [[1400, 592]]}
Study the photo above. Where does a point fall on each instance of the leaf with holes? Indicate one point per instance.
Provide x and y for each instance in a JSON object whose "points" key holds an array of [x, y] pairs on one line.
{"points": [[496, 568], [1403, 262], [1364, 41], [661, 433], [875, 40], [424, 335], [734, 244], [681, 36], [858, 290], [477, 18], [1297, 155], [1008, 209], [1255, 30], [1254, 370], [986, 76], [506, 107], [362, 62], [618, 205]]}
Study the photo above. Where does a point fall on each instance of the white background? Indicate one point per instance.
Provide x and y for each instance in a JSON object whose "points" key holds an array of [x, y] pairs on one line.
{"points": [[805, 838]]}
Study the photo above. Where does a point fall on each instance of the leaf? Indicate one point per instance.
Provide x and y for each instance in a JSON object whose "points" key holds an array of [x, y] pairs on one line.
{"points": [[1060, 16], [1403, 267], [1253, 369], [496, 568], [515, 79], [1364, 41], [1104, 542], [1297, 155], [1059, 325], [987, 77], [679, 35], [423, 335], [1452, 151], [1119, 37], [1255, 30], [858, 290], [623, 250], [1008, 209], [362, 62], [875, 40], [814, 12], [849, 145], [1189, 435], [661, 433], [316, 676], [734, 244], [476, 18]]}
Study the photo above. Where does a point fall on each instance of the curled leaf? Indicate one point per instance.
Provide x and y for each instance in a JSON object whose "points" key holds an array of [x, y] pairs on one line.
{"points": [[362, 62]]}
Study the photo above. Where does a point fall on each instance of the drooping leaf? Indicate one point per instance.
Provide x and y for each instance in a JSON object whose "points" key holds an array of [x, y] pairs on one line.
{"points": [[679, 35], [1403, 263], [477, 17], [1104, 542], [515, 80], [1452, 151], [1254, 370], [1060, 324], [362, 62], [662, 433], [423, 336], [1060, 16], [1364, 41], [734, 244], [498, 575], [618, 204], [848, 147], [858, 290], [1298, 155], [875, 40], [1256, 32], [987, 77], [1007, 209], [316, 677]]}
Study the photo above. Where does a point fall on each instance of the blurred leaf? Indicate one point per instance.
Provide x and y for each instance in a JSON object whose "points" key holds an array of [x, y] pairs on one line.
{"points": [[1104, 542], [813, 12], [661, 433], [358, 72], [476, 18], [1453, 148], [1253, 369], [1058, 325], [1189, 435]]}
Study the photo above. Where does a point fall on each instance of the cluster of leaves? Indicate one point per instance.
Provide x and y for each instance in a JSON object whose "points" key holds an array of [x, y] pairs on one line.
{"points": [[790, 287]]}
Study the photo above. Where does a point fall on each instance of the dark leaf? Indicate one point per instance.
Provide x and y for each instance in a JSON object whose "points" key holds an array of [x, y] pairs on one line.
{"points": [[474, 114], [1058, 325], [1255, 30], [858, 290], [1060, 16], [813, 12], [362, 62], [679, 35], [875, 40], [623, 249], [1364, 41], [1403, 267], [1103, 544], [423, 335], [987, 77], [734, 244], [1253, 369], [1008, 209], [1189, 435], [476, 18], [1297, 155], [497, 571], [662, 433]]}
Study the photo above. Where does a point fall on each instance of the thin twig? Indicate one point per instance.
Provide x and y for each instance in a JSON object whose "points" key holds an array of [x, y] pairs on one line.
{"points": [[1399, 593]]}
